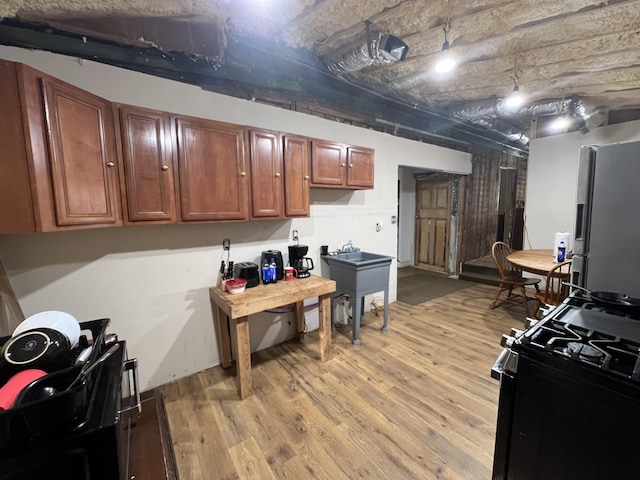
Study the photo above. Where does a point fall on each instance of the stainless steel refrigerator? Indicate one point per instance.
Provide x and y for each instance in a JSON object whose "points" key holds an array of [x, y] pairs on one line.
{"points": [[607, 234]]}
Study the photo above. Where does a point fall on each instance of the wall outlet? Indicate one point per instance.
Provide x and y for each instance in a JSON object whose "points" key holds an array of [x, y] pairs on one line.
{"points": [[294, 235], [378, 226], [226, 244], [394, 219]]}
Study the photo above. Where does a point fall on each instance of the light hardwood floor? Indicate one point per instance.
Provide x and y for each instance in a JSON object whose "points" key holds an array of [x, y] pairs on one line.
{"points": [[415, 403]]}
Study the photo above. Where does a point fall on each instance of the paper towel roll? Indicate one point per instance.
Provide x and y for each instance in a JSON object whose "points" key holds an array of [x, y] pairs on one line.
{"points": [[557, 238]]}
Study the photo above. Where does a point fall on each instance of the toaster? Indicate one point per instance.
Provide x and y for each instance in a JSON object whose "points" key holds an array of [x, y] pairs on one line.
{"points": [[249, 271]]}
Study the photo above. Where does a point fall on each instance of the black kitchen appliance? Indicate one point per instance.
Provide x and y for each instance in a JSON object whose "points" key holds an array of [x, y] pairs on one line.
{"points": [[249, 271], [277, 257], [76, 433], [297, 260], [569, 403]]}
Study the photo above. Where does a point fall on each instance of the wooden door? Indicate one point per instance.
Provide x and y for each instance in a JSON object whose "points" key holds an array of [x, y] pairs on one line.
{"points": [[148, 169], [212, 170], [433, 211], [359, 167], [83, 155], [266, 175], [327, 164], [296, 176]]}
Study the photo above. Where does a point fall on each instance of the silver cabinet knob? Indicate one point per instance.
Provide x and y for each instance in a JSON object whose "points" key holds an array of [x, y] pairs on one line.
{"points": [[277, 175], [243, 174], [342, 164], [306, 177], [165, 168], [111, 164], [351, 165]]}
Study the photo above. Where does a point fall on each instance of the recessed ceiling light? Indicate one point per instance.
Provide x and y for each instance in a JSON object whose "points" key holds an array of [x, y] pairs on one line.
{"points": [[445, 65]]}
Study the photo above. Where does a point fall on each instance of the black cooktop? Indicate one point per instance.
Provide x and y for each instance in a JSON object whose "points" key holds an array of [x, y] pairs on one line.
{"points": [[579, 331]]}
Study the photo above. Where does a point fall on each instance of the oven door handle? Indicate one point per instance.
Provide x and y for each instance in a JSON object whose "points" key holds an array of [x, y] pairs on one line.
{"points": [[131, 369], [498, 367]]}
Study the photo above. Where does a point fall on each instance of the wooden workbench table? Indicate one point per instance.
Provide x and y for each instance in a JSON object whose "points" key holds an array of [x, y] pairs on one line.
{"points": [[237, 308]]}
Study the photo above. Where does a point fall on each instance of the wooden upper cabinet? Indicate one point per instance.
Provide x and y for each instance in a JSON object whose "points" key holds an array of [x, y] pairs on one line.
{"points": [[360, 167], [147, 176], [212, 170], [266, 174], [83, 155], [327, 164], [60, 165], [296, 175], [335, 165]]}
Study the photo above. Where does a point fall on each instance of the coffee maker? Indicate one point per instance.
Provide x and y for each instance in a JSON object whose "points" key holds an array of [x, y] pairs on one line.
{"points": [[297, 260]]}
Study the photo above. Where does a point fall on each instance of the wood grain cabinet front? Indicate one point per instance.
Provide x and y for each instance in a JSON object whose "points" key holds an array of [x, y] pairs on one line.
{"points": [[147, 180], [60, 158], [297, 164], [267, 174], [213, 175], [359, 167], [279, 175], [335, 165]]}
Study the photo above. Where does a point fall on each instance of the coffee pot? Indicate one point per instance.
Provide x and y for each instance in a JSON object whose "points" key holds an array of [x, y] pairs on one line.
{"points": [[297, 260]]}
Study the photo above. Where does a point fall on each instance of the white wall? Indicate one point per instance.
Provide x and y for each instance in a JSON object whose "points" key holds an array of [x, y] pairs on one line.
{"points": [[552, 179], [152, 281]]}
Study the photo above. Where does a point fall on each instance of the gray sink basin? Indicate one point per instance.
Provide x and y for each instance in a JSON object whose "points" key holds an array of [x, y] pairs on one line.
{"points": [[358, 258]]}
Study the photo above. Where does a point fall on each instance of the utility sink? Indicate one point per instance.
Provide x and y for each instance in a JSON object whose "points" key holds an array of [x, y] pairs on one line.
{"points": [[358, 274], [358, 258]]}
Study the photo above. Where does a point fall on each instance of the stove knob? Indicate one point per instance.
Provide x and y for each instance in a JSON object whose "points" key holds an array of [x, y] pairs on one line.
{"points": [[516, 332], [530, 322], [506, 341]]}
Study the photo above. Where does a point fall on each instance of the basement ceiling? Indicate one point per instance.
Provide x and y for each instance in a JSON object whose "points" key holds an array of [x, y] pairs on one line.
{"points": [[580, 57]]}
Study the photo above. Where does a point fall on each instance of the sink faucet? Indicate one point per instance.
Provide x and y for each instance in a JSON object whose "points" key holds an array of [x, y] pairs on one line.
{"points": [[347, 247]]}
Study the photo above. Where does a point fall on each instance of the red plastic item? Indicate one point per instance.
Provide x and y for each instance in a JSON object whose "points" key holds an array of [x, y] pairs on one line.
{"points": [[15, 384]]}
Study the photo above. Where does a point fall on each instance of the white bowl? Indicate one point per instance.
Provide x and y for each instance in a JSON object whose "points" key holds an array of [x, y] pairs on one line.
{"points": [[60, 321]]}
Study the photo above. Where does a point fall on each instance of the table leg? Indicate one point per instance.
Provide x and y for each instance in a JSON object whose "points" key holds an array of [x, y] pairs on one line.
{"points": [[300, 319], [324, 313], [243, 361], [224, 339]]}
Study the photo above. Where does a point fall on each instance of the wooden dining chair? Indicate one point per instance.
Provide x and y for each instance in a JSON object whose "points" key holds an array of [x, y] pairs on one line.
{"points": [[555, 291], [511, 278]]}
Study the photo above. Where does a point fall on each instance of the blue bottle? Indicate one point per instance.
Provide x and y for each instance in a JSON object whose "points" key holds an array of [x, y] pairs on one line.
{"points": [[562, 252], [273, 271], [266, 273]]}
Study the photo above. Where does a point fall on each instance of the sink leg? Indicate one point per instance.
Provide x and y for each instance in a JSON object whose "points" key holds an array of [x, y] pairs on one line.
{"points": [[355, 320], [333, 309], [385, 328]]}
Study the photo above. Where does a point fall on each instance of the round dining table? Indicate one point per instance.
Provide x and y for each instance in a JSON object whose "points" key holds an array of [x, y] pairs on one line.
{"points": [[539, 262]]}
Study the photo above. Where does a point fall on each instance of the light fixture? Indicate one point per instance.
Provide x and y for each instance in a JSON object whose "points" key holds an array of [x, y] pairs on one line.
{"points": [[446, 62], [560, 123], [515, 99]]}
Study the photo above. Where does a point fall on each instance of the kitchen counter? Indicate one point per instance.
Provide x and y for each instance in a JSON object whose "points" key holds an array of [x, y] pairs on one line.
{"points": [[228, 308]]}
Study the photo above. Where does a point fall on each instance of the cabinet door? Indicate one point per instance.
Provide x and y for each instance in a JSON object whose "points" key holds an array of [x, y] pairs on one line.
{"points": [[148, 169], [212, 176], [296, 176], [327, 163], [359, 167], [266, 175], [83, 156]]}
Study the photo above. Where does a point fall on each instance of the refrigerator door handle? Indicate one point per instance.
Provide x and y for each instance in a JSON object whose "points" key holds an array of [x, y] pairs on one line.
{"points": [[579, 231]]}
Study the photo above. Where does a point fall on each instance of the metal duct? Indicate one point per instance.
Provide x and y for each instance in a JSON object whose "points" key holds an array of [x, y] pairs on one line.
{"points": [[492, 115], [382, 49]]}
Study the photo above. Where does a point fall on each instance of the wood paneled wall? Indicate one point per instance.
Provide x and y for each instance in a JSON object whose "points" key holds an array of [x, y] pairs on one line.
{"points": [[481, 194]]}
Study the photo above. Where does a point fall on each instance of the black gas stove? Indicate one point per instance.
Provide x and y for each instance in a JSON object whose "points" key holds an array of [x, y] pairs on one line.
{"points": [[570, 396]]}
